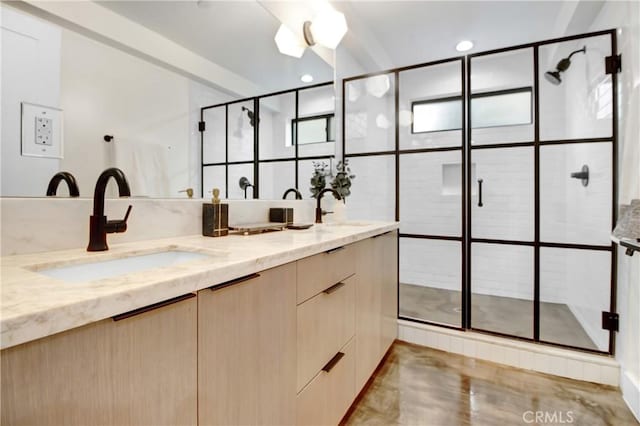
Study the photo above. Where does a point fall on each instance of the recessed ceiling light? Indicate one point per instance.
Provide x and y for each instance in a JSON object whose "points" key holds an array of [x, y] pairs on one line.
{"points": [[464, 45], [307, 78]]}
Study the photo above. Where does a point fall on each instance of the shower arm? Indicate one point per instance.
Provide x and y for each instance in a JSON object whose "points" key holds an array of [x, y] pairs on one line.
{"points": [[583, 50]]}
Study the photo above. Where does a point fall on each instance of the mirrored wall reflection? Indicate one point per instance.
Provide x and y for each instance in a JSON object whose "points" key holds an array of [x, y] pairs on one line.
{"points": [[501, 102], [431, 110], [575, 193], [430, 276], [214, 142], [240, 133], [316, 128], [214, 177], [275, 178], [268, 134], [574, 291], [502, 288], [276, 127], [370, 114], [431, 193], [576, 95]]}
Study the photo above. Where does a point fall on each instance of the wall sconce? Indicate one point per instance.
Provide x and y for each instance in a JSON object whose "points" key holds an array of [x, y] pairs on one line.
{"points": [[326, 29]]}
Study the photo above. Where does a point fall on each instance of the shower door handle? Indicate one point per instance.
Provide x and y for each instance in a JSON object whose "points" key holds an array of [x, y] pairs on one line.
{"points": [[480, 193]]}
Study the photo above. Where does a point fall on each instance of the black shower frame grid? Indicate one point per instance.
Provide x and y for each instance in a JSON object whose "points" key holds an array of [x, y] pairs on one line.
{"points": [[466, 148], [256, 161]]}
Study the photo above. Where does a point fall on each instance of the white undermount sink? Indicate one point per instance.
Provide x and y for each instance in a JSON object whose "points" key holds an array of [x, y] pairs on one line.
{"points": [[110, 268]]}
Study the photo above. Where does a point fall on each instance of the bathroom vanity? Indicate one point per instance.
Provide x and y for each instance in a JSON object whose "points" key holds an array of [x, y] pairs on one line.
{"points": [[279, 328]]}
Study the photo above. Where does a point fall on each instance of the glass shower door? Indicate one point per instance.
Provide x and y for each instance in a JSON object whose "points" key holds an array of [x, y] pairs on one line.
{"points": [[431, 192], [502, 193]]}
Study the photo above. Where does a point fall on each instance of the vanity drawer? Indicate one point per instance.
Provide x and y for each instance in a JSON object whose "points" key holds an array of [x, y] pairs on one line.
{"points": [[325, 323], [328, 396], [316, 273]]}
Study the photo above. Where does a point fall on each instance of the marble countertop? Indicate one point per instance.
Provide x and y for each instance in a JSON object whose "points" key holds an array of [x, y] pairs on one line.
{"points": [[33, 305]]}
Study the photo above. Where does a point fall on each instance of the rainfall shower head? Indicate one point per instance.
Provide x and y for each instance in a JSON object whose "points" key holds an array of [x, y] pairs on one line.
{"points": [[252, 116], [553, 77]]}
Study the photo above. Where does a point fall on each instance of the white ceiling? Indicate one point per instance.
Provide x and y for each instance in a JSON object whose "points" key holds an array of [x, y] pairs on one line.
{"points": [[238, 35]]}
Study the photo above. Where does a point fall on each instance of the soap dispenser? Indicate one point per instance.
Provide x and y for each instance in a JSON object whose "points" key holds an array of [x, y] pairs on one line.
{"points": [[215, 217]]}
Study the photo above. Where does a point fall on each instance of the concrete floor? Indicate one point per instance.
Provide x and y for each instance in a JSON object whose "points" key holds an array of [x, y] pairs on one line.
{"points": [[494, 313], [422, 386]]}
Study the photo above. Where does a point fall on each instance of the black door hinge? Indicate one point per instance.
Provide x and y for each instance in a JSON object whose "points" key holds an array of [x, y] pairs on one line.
{"points": [[613, 64], [610, 321], [201, 126]]}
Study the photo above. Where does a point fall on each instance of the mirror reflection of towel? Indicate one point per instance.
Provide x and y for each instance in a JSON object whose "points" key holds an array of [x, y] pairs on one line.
{"points": [[145, 165]]}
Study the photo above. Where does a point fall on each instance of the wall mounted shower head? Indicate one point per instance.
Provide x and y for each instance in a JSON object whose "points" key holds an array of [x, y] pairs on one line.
{"points": [[553, 77], [252, 116]]}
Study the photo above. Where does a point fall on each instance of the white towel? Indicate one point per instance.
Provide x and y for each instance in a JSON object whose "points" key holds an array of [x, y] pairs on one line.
{"points": [[145, 165]]}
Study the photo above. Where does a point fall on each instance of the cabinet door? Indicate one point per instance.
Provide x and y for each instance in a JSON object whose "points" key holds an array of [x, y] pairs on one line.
{"points": [[138, 370], [389, 288], [368, 309], [247, 350]]}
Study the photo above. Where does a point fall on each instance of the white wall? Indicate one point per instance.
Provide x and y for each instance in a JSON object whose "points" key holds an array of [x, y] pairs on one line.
{"points": [[152, 112], [30, 73], [626, 17]]}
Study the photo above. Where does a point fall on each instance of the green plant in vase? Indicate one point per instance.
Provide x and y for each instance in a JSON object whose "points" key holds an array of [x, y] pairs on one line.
{"points": [[341, 182], [319, 177]]}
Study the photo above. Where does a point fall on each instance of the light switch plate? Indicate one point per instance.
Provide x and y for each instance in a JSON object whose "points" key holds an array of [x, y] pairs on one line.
{"points": [[41, 134]]}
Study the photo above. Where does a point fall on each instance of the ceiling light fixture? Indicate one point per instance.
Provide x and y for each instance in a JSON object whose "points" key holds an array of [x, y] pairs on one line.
{"points": [[288, 43], [327, 29], [306, 78], [464, 45]]}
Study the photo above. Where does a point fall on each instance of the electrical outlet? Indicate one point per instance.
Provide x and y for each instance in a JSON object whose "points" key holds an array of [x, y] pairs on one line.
{"points": [[44, 131], [41, 134]]}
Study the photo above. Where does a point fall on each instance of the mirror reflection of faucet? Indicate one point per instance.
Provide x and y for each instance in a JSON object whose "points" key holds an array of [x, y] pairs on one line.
{"points": [[70, 180], [244, 184], [289, 191], [189, 192]]}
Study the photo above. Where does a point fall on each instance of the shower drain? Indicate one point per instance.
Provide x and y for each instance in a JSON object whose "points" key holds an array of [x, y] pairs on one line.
{"points": [[458, 310]]}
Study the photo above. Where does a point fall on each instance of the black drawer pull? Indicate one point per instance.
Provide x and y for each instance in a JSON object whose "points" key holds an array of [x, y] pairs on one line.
{"points": [[333, 288], [158, 305], [480, 193], [332, 362], [337, 249], [233, 282], [380, 235]]}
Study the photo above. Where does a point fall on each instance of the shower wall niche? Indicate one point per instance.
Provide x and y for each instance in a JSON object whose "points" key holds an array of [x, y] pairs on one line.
{"points": [[485, 159]]}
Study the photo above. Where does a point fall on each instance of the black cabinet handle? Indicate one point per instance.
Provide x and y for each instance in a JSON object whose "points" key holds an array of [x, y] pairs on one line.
{"points": [[332, 362], [334, 288], [480, 193], [233, 282], [153, 307], [337, 249]]}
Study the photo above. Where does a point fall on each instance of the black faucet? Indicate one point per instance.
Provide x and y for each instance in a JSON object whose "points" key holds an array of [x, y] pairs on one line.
{"points": [[68, 178], [99, 226], [290, 190], [319, 211]]}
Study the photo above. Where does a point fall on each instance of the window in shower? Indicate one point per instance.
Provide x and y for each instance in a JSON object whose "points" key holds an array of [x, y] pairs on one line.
{"points": [[510, 107], [314, 129]]}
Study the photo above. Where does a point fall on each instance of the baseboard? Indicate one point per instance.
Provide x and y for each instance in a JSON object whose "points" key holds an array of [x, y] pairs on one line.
{"points": [[530, 356], [630, 387]]}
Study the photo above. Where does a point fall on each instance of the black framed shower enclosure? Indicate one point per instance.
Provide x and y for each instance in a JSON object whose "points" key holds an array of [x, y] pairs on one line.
{"points": [[524, 241]]}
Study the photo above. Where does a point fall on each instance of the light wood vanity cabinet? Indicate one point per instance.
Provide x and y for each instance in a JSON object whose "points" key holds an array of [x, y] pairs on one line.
{"points": [[140, 370], [290, 345], [376, 301], [247, 350]]}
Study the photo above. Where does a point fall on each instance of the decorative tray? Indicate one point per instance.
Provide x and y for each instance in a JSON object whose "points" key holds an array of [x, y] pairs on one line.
{"points": [[257, 228]]}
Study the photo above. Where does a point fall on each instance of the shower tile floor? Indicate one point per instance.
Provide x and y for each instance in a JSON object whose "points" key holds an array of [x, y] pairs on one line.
{"points": [[494, 313]]}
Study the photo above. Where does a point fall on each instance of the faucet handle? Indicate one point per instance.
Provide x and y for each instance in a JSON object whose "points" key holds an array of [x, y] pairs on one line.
{"points": [[324, 212], [118, 225], [189, 192]]}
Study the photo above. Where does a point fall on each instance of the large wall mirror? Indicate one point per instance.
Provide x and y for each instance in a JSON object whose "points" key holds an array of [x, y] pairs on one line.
{"points": [[151, 112]]}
